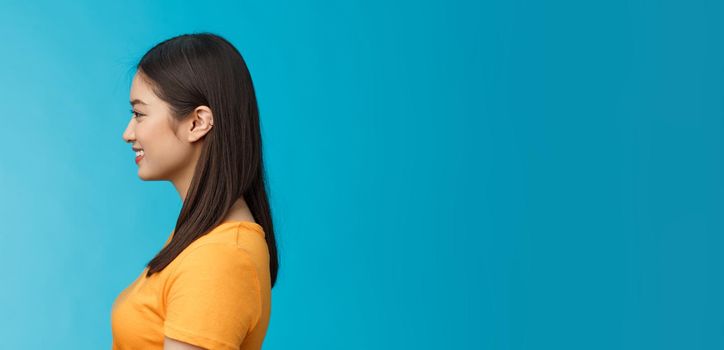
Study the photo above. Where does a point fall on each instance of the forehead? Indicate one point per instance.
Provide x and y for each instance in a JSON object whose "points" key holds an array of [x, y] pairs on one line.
{"points": [[142, 90]]}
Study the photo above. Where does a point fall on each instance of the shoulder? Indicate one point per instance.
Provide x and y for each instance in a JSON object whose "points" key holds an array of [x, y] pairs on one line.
{"points": [[213, 296], [213, 271], [242, 234], [217, 256], [229, 251]]}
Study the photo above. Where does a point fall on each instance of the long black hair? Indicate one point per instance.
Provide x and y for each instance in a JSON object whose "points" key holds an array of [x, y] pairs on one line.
{"points": [[192, 70]]}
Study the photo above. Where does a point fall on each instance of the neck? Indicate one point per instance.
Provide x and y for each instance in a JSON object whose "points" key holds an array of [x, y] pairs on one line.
{"points": [[239, 211], [182, 182]]}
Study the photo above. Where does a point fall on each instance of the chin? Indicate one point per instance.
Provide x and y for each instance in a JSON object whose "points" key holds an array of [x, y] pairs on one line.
{"points": [[142, 176], [146, 176]]}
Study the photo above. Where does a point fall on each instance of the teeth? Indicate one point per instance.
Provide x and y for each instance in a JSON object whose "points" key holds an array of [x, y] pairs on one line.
{"points": [[139, 153]]}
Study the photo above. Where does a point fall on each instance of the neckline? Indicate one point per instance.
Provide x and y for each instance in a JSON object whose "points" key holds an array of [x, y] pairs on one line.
{"points": [[250, 224]]}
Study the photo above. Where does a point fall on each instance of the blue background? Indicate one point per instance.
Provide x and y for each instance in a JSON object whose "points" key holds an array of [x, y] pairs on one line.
{"points": [[444, 175]]}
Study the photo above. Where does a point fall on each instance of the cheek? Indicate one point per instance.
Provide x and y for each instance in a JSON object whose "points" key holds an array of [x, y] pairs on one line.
{"points": [[152, 137], [163, 150], [142, 132]]}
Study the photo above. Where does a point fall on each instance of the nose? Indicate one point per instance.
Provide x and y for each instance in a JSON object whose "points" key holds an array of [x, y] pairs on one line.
{"points": [[129, 134]]}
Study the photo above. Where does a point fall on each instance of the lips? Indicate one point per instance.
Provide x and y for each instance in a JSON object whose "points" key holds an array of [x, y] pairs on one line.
{"points": [[139, 155]]}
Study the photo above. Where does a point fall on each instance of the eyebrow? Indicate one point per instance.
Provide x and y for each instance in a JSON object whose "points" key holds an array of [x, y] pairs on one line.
{"points": [[137, 101]]}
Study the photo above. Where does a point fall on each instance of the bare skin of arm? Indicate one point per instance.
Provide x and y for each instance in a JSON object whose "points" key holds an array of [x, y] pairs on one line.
{"points": [[172, 344]]}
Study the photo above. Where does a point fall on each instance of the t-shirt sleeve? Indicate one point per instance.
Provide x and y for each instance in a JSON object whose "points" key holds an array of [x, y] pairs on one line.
{"points": [[213, 297]]}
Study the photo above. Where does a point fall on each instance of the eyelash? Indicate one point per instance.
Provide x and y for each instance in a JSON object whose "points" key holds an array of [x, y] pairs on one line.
{"points": [[136, 114]]}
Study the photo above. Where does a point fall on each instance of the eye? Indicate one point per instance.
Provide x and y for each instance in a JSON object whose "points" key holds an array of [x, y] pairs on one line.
{"points": [[136, 114]]}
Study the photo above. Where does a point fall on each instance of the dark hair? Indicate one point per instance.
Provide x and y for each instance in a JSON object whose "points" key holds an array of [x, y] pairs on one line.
{"points": [[192, 70]]}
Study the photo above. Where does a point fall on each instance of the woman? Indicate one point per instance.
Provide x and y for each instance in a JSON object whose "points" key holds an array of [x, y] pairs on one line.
{"points": [[196, 123]]}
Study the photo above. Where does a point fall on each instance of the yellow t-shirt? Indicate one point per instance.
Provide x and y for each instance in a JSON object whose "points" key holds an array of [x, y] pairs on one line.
{"points": [[216, 294]]}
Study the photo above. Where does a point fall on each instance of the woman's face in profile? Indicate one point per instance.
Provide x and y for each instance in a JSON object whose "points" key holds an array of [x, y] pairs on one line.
{"points": [[162, 155]]}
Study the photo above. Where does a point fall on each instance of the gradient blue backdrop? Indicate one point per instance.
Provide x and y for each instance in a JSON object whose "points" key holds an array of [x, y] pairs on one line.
{"points": [[444, 174]]}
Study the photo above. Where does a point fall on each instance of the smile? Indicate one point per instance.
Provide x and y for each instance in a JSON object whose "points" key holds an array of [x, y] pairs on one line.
{"points": [[139, 155]]}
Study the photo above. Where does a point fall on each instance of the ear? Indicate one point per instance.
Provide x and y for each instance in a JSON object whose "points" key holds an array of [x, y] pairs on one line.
{"points": [[201, 122]]}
